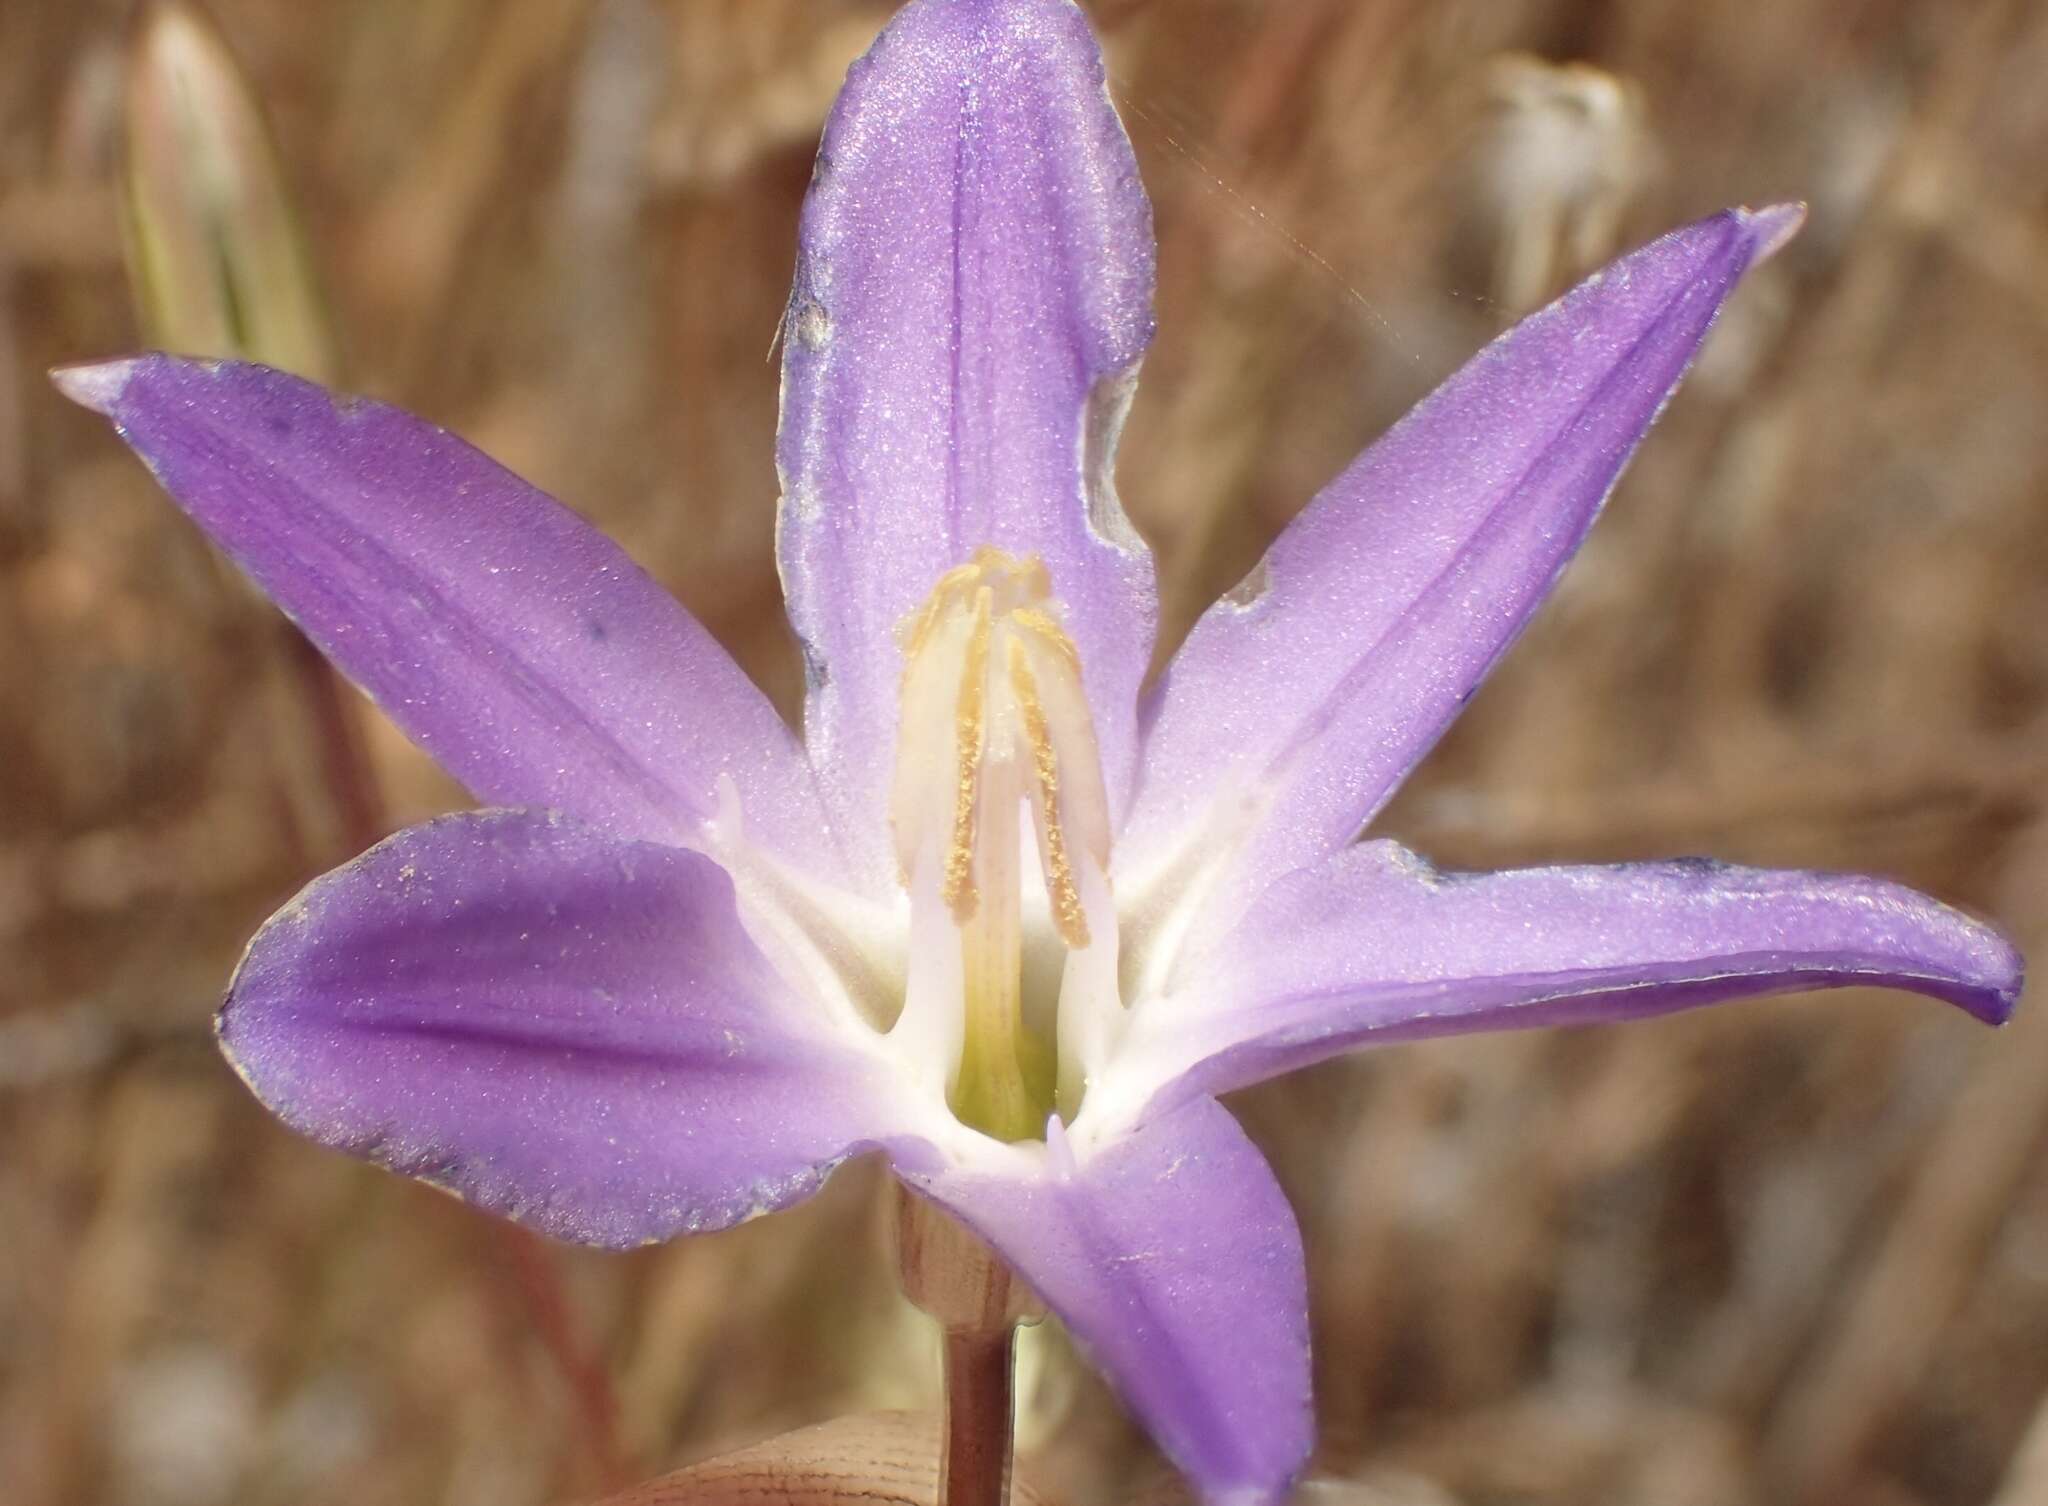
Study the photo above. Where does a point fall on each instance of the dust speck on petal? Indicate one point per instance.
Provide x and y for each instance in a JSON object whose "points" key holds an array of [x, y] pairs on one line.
{"points": [[1248, 592], [813, 327]]}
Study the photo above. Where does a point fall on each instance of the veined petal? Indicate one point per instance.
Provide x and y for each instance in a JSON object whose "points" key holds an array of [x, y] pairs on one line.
{"points": [[1374, 946], [973, 293], [1302, 699], [1173, 1258], [509, 638], [562, 1027]]}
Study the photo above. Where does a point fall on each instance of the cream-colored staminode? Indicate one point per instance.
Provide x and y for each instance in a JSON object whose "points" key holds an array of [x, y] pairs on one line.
{"points": [[996, 751]]}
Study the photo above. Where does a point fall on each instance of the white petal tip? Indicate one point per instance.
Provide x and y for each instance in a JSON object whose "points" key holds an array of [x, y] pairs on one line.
{"points": [[1774, 226], [97, 385]]}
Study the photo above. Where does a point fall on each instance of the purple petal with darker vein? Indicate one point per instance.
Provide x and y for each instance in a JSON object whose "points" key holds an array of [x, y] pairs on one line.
{"points": [[1306, 697], [1374, 946], [1175, 1262], [973, 293], [506, 636], [565, 1028]]}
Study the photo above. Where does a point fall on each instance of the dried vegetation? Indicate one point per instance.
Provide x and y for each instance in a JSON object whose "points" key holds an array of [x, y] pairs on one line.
{"points": [[1789, 1251]]}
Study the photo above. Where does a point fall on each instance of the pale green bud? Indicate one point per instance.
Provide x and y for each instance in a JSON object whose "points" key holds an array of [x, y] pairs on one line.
{"points": [[216, 253]]}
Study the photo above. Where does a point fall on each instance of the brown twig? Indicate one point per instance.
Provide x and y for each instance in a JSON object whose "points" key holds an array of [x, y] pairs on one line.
{"points": [[536, 1280], [344, 758]]}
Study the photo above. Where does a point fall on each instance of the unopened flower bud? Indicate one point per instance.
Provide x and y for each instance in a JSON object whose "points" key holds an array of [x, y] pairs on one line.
{"points": [[216, 254]]}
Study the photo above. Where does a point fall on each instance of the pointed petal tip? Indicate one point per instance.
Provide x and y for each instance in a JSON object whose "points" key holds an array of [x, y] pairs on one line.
{"points": [[1999, 994], [1773, 228], [97, 385], [1984, 975]]}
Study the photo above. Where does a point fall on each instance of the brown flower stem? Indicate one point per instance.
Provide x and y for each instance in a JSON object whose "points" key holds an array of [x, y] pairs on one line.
{"points": [[974, 1469], [956, 1278]]}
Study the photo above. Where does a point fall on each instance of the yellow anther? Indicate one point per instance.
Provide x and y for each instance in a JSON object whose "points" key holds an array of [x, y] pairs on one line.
{"points": [[969, 725], [996, 745], [1060, 887]]}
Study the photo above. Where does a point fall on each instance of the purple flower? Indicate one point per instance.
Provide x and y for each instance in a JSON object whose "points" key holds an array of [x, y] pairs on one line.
{"points": [[1004, 914]]}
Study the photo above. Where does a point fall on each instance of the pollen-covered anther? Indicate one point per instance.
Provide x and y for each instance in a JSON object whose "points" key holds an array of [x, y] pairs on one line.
{"points": [[996, 750], [993, 715], [1060, 888]]}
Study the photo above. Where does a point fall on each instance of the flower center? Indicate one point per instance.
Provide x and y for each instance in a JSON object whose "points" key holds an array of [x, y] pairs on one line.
{"points": [[996, 753]]}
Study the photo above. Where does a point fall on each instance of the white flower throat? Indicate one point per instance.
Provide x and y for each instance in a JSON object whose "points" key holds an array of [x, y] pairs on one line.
{"points": [[995, 753]]}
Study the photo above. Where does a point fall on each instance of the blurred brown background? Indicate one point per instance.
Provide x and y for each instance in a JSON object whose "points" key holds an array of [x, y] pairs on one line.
{"points": [[1787, 1251]]}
